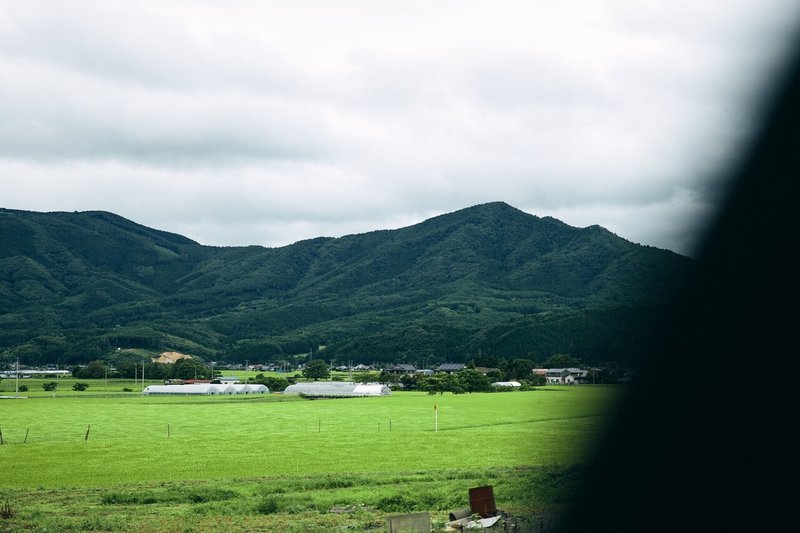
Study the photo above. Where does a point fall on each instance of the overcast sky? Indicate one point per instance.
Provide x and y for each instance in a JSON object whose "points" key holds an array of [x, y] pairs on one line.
{"points": [[237, 123]]}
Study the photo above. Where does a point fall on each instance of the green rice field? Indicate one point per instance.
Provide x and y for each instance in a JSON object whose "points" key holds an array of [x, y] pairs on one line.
{"points": [[269, 463]]}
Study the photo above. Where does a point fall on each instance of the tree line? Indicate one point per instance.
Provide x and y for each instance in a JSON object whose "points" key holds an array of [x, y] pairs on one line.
{"points": [[181, 369]]}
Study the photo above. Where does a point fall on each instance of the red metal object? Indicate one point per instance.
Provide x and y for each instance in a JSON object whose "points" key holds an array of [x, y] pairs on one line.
{"points": [[481, 501]]}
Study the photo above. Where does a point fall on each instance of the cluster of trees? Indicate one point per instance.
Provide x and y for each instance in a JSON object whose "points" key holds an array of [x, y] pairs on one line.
{"points": [[181, 369], [466, 381], [317, 369], [274, 383], [471, 380]]}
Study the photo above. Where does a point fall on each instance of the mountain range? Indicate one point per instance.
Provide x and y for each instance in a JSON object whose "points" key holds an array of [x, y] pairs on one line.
{"points": [[482, 283]]}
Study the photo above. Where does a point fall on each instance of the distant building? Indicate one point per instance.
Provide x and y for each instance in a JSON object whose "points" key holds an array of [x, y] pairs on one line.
{"points": [[451, 367], [566, 376], [401, 369], [580, 375], [203, 389], [506, 384], [337, 389], [559, 376]]}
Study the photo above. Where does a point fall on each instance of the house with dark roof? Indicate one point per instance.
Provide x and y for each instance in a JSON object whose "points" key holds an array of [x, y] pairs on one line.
{"points": [[559, 376], [580, 375], [401, 369], [449, 368]]}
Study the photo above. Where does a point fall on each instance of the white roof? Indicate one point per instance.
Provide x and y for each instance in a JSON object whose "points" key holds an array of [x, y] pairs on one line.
{"points": [[195, 388], [338, 388], [247, 388], [371, 389], [506, 384], [207, 388]]}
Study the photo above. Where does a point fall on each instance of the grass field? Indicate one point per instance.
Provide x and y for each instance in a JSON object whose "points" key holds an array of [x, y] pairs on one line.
{"points": [[244, 463]]}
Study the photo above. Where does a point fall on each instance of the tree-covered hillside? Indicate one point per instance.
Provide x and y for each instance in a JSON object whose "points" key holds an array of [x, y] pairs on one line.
{"points": [[488, 281]]}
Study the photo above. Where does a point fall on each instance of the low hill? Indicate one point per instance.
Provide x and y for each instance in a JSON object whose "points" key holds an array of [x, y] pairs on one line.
{"points": [[488, 281]]}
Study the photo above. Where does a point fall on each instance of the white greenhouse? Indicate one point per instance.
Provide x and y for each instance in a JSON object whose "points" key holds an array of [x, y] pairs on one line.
{"points": [[204, 388], [506, 384], [196, 388], [242, 388], [337, 389]]}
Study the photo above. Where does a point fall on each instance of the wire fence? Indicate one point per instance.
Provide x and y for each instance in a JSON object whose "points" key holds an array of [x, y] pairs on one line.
{"points": [[123, 432], [10, 436]]}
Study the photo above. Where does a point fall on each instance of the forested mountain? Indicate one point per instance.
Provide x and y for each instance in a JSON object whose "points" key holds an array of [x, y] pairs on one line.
{"points": [[485, 282]]}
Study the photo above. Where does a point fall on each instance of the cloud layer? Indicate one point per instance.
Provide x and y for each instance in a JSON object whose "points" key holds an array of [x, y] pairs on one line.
{"points": [[265, 123]]}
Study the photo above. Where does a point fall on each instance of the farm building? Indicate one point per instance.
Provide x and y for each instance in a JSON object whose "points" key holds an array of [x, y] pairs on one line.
{"points": [[197, 388], [241, 388], [401, 369], [204, 388], [450, 368], [322, 389], [506, 384], [559, 376]]}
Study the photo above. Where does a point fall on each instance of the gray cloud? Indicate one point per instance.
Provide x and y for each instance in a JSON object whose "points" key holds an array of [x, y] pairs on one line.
{"points": [[267, 124]]}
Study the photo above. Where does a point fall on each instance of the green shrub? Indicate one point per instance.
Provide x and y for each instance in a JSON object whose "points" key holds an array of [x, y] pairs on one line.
{"points": [[79, 386], [395, 504], [139, 498], [210, 494], [267, 505], [6, 511]]}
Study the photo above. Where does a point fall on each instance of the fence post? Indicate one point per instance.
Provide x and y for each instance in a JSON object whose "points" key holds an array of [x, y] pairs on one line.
{"points": [[26, 436], [87, 433]]}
